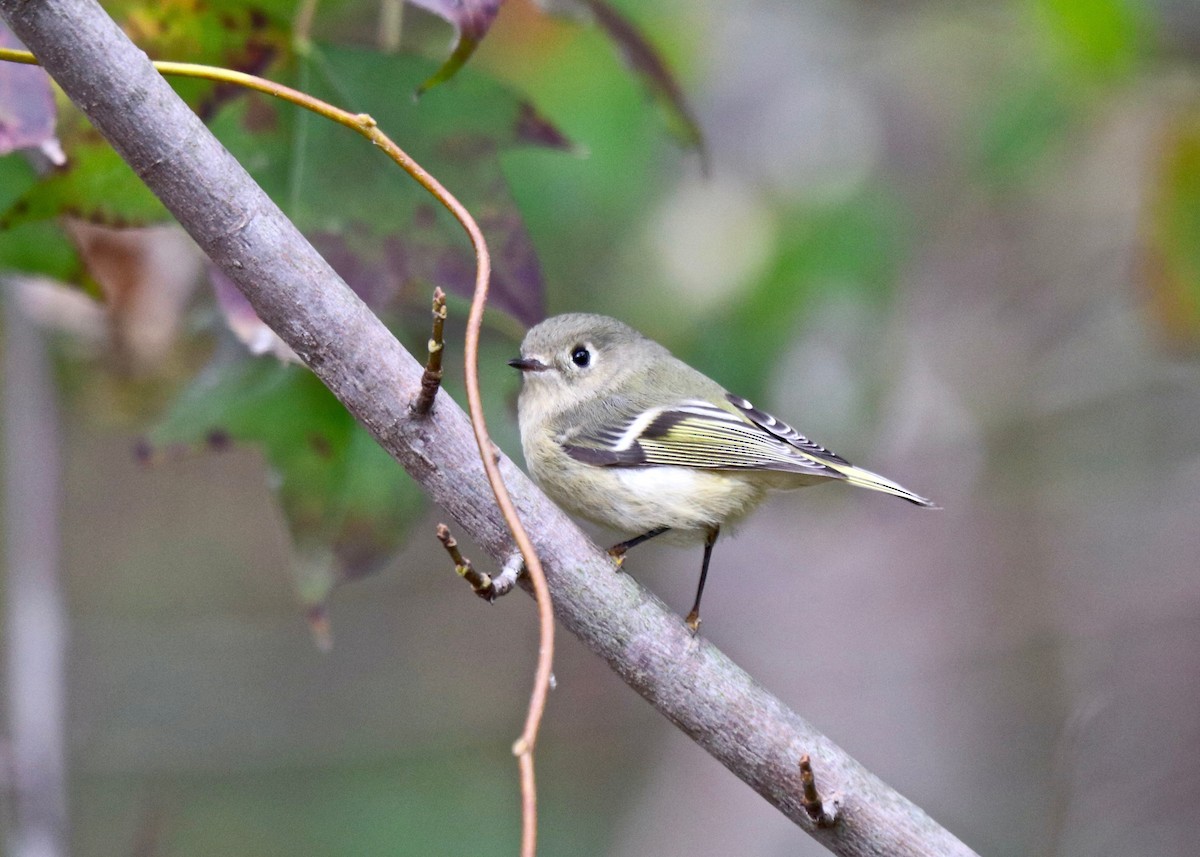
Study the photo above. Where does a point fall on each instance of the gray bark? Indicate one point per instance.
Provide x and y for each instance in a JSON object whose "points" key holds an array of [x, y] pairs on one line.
{"points": [[299, 296]]}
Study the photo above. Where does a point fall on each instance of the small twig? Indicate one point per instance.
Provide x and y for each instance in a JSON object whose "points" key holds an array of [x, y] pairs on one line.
{"points": [[811, 799], [503, 583], [481, 582], [431, 378]]}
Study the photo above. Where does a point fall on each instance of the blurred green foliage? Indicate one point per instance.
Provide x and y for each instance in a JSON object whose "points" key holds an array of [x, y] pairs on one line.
{"points": [[339, 490], [96, 185], [992, 134], [1100, 39], [1071, 53], [851, 249], [1173, 237], [34, 247]]}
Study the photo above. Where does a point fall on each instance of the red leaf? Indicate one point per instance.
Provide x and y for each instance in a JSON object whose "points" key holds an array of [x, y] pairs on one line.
{"points": [[472, 19]]}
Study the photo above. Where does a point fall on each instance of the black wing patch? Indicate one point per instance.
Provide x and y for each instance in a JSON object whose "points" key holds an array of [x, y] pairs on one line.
{"points": [[783, 431], [607, 457]]}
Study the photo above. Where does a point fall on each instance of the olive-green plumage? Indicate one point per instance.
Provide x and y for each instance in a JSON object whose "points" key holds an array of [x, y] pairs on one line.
{"points": [[617, 430]]}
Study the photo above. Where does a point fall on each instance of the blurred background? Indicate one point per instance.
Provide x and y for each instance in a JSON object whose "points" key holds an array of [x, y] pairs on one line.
{"points": [[957, 243]]}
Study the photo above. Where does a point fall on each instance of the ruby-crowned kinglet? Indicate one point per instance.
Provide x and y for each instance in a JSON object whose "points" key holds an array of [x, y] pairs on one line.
{"points": [[617, 430]]}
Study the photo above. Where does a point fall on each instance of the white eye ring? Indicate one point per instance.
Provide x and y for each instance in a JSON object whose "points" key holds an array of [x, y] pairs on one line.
{"points": [[581, 356]]}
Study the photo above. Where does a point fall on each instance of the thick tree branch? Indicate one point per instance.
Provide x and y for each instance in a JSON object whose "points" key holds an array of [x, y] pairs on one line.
{"points": [[301, 298]]}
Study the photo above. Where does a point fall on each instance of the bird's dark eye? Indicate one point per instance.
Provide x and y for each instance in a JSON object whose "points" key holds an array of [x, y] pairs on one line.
{"points": [[580, 356]]}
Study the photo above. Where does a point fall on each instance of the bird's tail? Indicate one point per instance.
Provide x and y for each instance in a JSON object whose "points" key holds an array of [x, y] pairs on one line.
{"points": [[866, 479]]}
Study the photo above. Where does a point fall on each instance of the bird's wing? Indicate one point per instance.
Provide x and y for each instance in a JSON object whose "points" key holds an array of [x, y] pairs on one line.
{"points": [[784, 432], [699, 434], [854, 475]]}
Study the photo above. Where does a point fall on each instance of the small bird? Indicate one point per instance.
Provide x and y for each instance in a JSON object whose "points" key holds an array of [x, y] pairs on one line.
{"points": [[617, 430]]}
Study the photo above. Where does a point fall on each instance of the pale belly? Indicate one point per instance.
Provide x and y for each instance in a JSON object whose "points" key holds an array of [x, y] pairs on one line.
{"points": [[635, 500], [639, 499]]}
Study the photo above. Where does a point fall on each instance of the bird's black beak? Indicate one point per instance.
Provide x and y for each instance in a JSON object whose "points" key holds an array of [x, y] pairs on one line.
{"points": [[528, 364]]}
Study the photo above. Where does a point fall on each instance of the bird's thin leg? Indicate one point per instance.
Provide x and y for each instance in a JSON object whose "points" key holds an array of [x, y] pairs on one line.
{"points": [[618, 552], [693, 618]]}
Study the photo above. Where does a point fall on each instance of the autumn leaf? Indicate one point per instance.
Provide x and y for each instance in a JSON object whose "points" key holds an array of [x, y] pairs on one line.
{"points": [[385, 235], [1171, 253], [471, 20], [27, 112]]}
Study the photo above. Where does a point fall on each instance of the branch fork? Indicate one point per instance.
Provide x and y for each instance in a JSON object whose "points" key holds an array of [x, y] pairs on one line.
{"points": [[482, 584]]}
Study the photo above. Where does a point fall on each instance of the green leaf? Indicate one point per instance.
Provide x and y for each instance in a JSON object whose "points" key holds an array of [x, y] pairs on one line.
{"points": [[96, 185], [1099, 39], [347, 504], [644, 60], [16, 177], [383, 233], [32, 248], [40, 248], [247, 37]]}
